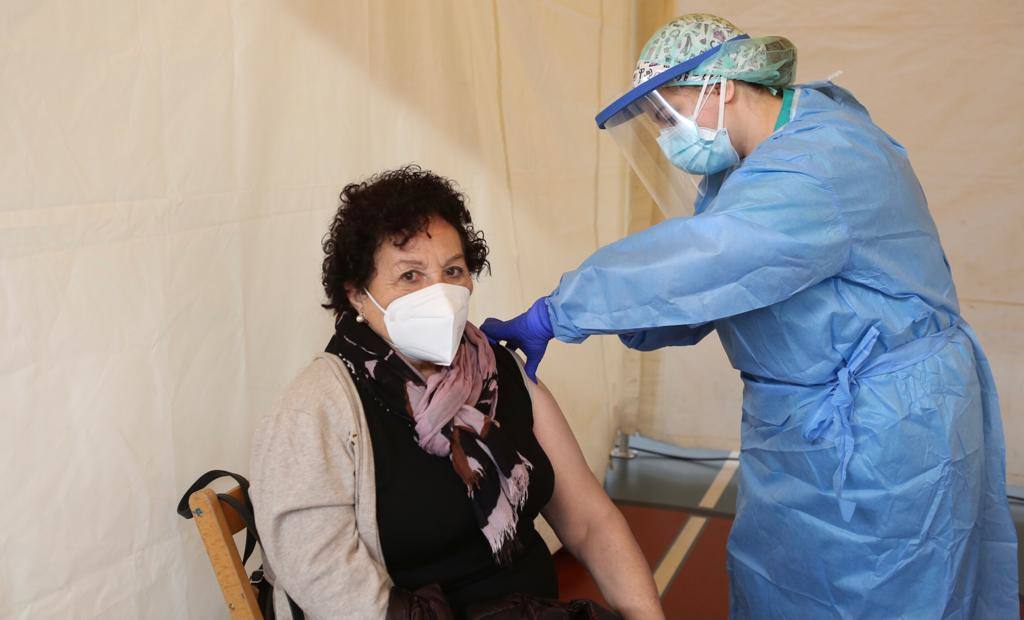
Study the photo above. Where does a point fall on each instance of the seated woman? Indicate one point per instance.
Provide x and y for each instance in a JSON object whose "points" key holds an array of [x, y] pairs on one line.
{"points": [[401, 473]]}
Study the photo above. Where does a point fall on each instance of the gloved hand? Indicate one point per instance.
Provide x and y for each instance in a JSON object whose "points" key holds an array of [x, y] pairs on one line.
{"points": [[528, 332]]}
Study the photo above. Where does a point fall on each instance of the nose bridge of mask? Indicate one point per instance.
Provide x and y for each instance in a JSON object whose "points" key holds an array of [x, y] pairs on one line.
{"points": [[427, 295]]}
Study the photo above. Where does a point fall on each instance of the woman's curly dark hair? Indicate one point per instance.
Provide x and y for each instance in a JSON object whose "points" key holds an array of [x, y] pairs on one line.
{"points": [[395, 206]]}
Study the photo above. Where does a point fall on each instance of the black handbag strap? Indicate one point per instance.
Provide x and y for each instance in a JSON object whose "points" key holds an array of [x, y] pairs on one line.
{"points": [[204, 481], [244, 511]]}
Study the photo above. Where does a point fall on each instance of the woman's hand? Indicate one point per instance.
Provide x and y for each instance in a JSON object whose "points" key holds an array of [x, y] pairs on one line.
{"points": [[426, 603], [586, 520]]}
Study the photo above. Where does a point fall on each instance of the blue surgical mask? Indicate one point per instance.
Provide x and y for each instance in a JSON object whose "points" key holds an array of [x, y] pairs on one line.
{"points": [[696, 149]]}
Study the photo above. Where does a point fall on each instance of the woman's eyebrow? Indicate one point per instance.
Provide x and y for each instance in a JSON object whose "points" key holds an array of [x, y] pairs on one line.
{"points": [[408, 262], [454, 258]]}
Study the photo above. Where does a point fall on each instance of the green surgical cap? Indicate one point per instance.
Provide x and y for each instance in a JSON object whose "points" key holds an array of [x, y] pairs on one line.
{"points": [[769, 61]]}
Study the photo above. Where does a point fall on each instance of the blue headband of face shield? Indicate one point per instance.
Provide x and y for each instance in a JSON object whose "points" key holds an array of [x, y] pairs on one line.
{"points": [[656, 82]]}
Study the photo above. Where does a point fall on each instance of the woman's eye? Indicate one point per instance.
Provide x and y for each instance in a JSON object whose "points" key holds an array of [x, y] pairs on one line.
{"points": [[409, 276], [455, 272]]}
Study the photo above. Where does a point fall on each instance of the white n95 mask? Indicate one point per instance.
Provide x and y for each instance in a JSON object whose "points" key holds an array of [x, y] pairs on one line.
{"points": [[427, 325]]}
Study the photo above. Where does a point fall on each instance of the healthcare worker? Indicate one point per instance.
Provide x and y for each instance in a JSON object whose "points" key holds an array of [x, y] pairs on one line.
{"points": [[872, 476]]}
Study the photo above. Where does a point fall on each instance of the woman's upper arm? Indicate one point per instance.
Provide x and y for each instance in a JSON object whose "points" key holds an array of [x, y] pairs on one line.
{"points": [[578, 497], [303, 493]]}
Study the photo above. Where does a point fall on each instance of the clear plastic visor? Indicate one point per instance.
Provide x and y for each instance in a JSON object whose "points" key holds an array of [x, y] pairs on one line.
{"points": [[636, 129]]}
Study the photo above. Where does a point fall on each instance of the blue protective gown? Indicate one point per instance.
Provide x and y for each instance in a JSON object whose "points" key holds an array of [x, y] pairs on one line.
{"points": [[872, 478]]}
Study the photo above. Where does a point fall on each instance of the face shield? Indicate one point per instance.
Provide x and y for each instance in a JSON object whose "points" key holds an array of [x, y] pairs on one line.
{"points": [[644, 126]]}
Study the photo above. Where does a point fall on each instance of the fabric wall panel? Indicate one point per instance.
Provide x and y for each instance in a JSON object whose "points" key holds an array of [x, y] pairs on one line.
{"points": [[167, 172]]}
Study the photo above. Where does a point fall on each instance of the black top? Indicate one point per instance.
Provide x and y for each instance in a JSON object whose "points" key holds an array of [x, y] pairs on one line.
{"points": [[428, 530]]}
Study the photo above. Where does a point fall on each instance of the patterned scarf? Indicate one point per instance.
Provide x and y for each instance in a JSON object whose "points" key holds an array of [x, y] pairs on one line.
{"points": [[454, 416]]}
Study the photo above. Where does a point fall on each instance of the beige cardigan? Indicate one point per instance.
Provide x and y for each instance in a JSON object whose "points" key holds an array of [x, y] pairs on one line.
{"points": [[314, 496]]}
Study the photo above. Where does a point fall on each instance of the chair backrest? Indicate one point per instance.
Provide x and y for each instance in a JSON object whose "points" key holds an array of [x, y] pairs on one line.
{"points": [[216, 528]]}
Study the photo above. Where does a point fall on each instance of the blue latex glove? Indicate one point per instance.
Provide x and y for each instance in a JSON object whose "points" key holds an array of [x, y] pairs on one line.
{"points": [[529, 332]]}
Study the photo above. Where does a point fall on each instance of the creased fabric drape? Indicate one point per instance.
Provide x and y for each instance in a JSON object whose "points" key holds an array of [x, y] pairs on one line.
{"points": [[167, 171]]}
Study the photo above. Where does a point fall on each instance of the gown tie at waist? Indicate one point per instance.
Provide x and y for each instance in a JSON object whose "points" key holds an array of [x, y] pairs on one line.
{"points": [[833, 417]]}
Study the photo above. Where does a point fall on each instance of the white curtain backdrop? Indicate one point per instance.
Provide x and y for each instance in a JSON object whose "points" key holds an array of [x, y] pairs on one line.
{"points": [[167, 171]]}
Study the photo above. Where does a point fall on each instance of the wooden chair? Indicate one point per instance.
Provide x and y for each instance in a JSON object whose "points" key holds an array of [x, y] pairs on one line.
{"points": [[216, 528]]}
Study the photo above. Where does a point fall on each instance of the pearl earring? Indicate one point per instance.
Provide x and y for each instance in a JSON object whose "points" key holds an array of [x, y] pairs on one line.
{"points": [[360, 318]]}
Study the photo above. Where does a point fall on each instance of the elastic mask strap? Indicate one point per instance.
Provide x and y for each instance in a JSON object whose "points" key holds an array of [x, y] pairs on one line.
{"points": [[382, 310], [701, 99], [721, 104]]}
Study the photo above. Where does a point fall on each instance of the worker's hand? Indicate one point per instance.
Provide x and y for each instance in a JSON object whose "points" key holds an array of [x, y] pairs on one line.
{"points": [[528, 332]]}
